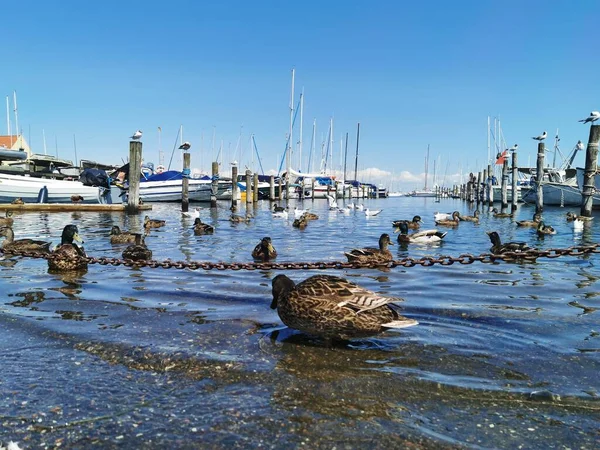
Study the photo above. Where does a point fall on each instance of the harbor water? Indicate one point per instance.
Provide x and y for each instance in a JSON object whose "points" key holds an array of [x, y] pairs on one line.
{"points": [[506, 355]]}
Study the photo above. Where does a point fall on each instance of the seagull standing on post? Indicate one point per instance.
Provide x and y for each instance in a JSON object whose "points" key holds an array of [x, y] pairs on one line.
{"points": [[185, 146], [514, 148], [594, 115], [137, 135], [541, 137]]}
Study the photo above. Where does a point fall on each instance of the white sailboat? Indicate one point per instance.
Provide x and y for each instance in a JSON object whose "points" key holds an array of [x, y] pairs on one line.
{"points": [[425, 192]]}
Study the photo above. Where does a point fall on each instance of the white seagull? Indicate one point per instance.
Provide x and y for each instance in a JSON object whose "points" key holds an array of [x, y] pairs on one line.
{"points": [[137, 135], [437, 216], [332, 202], [594, 115], [514, 148], [185, 146], [192, 214], [298, 212], [370, 213], [541, 137], [281, 214], [577, 224]]}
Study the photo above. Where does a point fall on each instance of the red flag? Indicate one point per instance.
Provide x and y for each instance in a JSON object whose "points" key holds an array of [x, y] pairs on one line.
{"points": [[501, 157]]}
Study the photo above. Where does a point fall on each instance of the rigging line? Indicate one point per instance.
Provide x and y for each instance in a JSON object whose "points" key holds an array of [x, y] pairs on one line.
{"points": [[258, 156], [174, 147], [287, 141]]}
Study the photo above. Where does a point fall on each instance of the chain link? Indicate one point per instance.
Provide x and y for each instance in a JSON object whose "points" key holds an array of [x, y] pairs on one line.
{"points": [[426, 261]]}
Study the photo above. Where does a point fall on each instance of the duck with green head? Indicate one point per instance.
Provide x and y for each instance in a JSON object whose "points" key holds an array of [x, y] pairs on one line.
{"points": [[334, 308], [68, 255], [264, 251], [379, 255], [419, 237], [24, 245]]}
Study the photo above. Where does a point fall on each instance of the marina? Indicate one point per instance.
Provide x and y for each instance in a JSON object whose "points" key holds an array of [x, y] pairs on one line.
{"points": [[504, 353]]}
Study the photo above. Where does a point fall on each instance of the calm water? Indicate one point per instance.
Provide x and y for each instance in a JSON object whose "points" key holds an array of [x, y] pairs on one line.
{"points": [[505, 355]]}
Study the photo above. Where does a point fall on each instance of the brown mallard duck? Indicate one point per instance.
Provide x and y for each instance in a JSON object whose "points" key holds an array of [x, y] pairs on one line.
{"points": [[334, 308], [240, 219], [474, 218], [572, 216], [121, 237], [501, 215], [68, 256], [77, 198], [372, 255], [310, 216], [454, 222], [137, 251], [413, 224], [498, 247], [419, 237], [18, 201], [202, 228], [153, 223], [7, 220], [24, 245], [543, 229], [301, 223], [264, 251], [537, 218]]}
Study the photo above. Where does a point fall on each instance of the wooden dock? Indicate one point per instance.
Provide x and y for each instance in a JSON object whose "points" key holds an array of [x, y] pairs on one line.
{"points": [[66, 207]]}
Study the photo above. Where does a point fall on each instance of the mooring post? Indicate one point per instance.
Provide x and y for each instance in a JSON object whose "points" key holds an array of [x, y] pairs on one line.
{"points": [[234, 187], [484, 186], [477, 188], [248, 187], [539, 177], [280, 193], [255, 189], [591, 162], [185, 183], [135, 170], [490, 184], [515, 192], [504, 186], [272, 188], [312, 189], [214, 187]]}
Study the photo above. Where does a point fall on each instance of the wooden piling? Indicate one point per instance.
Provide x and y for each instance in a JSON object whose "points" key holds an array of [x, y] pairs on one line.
{"points": [[234, 187], [135, 170], [483, 186], [185, 183], [272, 188], [255, 188], [248, 187], [477, 188], [515, 191], [214, 188], [539, 177], [490, 184], [591, 163], [280, 193], [504, 184]]}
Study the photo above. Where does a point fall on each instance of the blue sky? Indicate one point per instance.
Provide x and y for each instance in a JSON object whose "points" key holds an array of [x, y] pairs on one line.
{"points": [[412, 74]]}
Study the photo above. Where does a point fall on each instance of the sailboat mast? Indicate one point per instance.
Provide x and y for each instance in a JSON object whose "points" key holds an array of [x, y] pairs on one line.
{"points": [[556, 139], [345, 157], [9, 131], [161, 156], [331, 140], [312, 146], [288, 156], [356, 157], [301, 128], [44, 137], [16, 113], [75, 149], [426, 167], [488, 136]]}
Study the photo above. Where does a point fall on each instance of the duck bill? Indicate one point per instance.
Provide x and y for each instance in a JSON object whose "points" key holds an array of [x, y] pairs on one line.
{"points": [[77, 238]]}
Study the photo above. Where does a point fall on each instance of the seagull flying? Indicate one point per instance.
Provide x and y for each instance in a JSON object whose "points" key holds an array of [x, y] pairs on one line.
{"points": [[185, 146], [137, 135], [541, 137], [594, 115]]}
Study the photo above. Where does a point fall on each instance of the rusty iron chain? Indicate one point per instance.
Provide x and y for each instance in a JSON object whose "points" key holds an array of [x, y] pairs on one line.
{"points": [[426, 261]]}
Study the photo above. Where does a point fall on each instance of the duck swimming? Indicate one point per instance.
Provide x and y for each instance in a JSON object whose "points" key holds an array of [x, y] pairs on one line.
{"points": [[334, 308], [449, 222], [498, 247], [264, 251], [24, 245], [8, 220], [537, 218], [500, 215], [301, 223], [572, 216], [370, 254], [419, 237], [413, 224], [239, 219], [201, 228], [137, 251], [544, 229], [474, 218], [121, 237], [153, 223], [68, 255]]}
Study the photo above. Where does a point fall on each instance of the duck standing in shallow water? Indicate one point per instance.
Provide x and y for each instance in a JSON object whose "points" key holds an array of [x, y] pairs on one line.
{"points": [[449, 222], [498, 247], [537, 218], [201, 228], [7, 220], [121, 237], [23, 245], [419, 237], [264, 251], [372, 255], [137, 251], [153, 223], [334, 308], [68, 255]]}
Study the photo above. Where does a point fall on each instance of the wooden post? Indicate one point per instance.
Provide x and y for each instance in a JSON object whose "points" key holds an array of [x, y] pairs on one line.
{"points": [[280, 193], [272, 188], [185, 183], [483, 186], [255, 188], [214, 188], [234, 187], [515, 191], [312, 188], [248, 187], [135, 170], [490, 184], [505, 184], [591, 162], [539, 177]]}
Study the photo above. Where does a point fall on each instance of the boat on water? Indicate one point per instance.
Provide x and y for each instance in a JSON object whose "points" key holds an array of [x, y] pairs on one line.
{"points": [[421, 193], [559, 187]]}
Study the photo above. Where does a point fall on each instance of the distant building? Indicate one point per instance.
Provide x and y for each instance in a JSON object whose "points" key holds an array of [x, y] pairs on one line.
{"points": [[15, 143]]}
